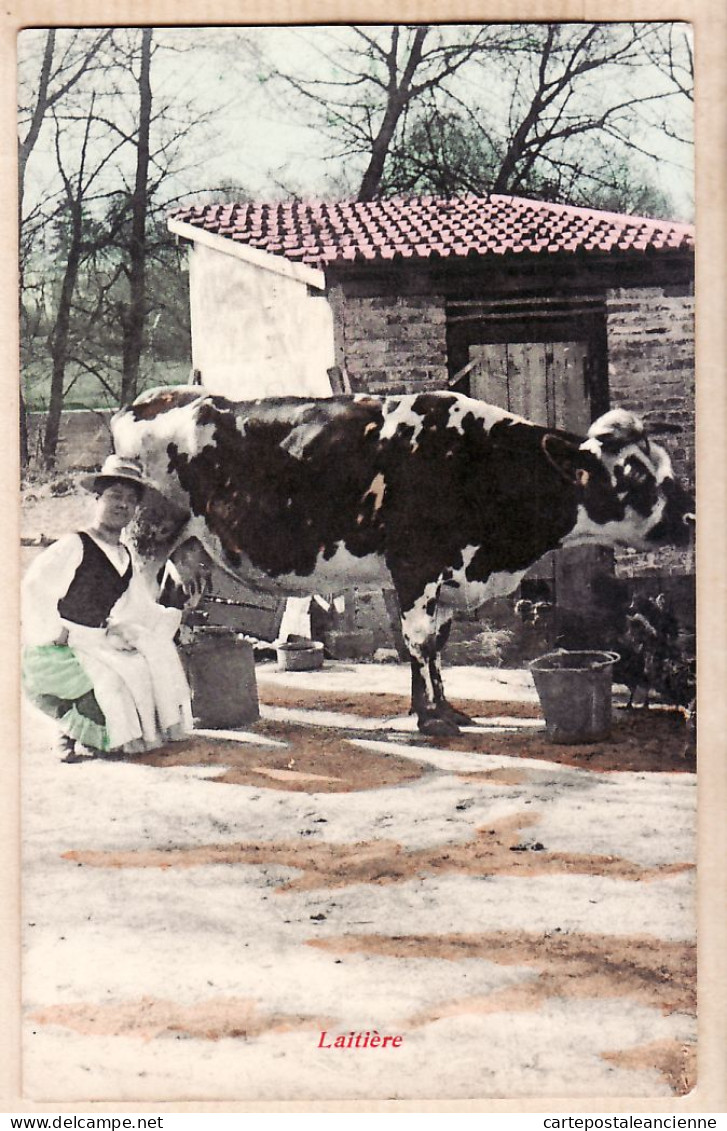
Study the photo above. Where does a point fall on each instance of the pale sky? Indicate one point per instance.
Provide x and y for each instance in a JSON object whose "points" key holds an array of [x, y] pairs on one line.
{"points": [[254, 140]]}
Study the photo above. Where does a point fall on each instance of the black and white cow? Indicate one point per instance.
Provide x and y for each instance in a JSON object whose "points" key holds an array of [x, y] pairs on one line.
{"points": [[447, 499]]}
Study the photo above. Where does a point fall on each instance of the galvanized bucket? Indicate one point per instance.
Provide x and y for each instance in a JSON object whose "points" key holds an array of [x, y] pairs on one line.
{"points": [[574, 689], [300, 656], [220, 667]]}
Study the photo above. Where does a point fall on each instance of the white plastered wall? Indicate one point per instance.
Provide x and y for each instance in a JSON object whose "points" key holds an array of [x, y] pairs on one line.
{"points": [[261, 327]]}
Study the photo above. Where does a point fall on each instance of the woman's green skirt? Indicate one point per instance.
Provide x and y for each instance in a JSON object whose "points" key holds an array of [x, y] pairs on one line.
{"points": [[56, 683]]}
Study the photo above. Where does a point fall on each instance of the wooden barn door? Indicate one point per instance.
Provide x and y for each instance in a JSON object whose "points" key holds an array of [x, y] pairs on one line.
{"points": [[548, 383]]}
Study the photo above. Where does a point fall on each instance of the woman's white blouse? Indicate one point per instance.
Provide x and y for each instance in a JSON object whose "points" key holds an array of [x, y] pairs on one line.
{"points": [[49, 577]]}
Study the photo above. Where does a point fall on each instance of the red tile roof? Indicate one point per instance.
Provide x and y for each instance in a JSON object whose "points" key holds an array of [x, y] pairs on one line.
{"points": [[320, 233]]}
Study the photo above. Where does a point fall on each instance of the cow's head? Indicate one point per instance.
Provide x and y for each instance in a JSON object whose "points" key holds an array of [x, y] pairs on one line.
{"points": [[627, 486]]}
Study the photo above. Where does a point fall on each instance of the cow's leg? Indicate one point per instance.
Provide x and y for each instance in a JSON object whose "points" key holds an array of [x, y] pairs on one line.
{"points": [[419, 624], [444, 709]]}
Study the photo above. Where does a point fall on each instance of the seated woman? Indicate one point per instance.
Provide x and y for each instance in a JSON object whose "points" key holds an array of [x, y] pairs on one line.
{"points": [[100, 654]]}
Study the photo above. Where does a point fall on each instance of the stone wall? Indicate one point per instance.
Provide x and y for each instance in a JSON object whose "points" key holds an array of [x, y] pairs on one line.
{"points": [[84, 439], [651, 362], [393, 344], [651, 370]]}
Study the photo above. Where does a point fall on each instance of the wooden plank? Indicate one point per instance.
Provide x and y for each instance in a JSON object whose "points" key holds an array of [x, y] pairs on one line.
{"points": [[551, 377], [228, 588], [544, 568], [572, 408], [577, 573], [488, 380], [534, 395], [531, 303], [519, 316], [581, 363], [577, 566], [516, 393]]}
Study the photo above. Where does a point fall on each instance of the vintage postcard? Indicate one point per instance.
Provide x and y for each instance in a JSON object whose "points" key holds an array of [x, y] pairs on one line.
{"points": [[359, 374]]}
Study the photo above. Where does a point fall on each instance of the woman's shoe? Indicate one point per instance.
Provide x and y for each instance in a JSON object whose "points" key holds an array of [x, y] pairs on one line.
{"points": [[72, 753]]}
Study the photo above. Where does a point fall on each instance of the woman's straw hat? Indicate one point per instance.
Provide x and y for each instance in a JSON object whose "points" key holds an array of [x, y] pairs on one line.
{"points": [[118, 469]]}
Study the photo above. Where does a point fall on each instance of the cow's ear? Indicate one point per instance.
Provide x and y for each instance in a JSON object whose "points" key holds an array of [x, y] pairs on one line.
{"points": [[566, 458]]}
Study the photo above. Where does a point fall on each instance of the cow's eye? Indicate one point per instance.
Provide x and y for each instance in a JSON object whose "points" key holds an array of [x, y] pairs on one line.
{"points": [[636, 485], [633, 473]]}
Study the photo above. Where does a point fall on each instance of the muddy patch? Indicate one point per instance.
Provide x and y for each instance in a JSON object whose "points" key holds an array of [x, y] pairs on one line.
{"points": [[642, 741], [504, 775], [383, 705], [148, 1018], [496, 850], [654, 973], [322, 759], [675, 1061], [314, 759]]}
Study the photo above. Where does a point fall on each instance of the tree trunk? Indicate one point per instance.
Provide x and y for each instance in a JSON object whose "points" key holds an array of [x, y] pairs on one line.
{"points": [[60, 337], [371, 180], [24, 442], [136, 312], [507, 179], [398, 96], [26, 146]]}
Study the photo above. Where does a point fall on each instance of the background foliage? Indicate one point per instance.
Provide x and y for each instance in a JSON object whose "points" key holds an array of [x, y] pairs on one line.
{"points": [[118, 125]]}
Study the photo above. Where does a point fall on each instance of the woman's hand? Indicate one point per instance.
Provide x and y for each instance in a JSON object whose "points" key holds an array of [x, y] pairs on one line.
{"points": [[119, 639], [194, 590]]}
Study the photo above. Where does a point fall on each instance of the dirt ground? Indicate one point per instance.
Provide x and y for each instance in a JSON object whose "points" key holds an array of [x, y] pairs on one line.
{"points": [[640, 739], [522, 915]]}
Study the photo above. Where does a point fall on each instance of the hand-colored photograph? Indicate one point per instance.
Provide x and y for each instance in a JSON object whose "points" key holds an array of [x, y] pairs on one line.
{"points": [[357, 455]]}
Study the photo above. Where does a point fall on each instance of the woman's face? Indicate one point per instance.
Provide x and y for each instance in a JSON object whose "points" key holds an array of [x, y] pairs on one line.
{"points": [[117, 505]]}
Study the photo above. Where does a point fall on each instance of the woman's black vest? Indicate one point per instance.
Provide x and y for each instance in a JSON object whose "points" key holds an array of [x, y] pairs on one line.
{"points": [[95, 589]]}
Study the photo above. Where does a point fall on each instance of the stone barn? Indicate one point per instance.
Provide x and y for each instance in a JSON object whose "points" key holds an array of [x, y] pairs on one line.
{"points": [[551, 311]]}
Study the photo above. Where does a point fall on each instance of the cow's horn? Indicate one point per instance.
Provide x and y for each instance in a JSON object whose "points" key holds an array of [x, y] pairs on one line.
{"points": [[619, 425]]}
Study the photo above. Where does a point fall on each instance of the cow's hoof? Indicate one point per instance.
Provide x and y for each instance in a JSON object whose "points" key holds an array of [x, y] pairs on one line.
{"points": [[451, 715], [438, 726]]}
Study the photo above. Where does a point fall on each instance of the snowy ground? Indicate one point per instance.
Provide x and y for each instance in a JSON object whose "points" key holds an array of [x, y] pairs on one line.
{"points": [[525, 927]]}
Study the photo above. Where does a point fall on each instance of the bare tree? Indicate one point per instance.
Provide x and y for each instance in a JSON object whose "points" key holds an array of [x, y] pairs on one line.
{"points": [[79, 190], [671, 51], [59, 72], [135, 314], [561, 121], [56, 76], [547, 109], [369, 79], [115, 146]]}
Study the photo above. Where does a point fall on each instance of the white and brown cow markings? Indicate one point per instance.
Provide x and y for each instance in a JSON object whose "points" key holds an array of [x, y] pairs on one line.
{"points": [[445, 498], [499, 849]]}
